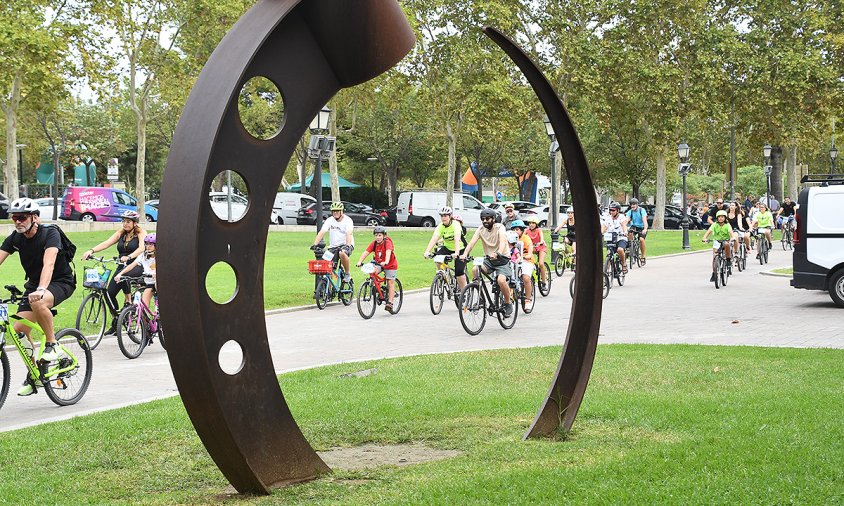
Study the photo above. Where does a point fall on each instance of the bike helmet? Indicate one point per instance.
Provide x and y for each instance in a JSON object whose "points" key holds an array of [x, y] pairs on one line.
{"points": [[379, 230], [530, 219], [149, 239], [509, 205], [458, 217], [616, 206], [488, 213], [24, 206], [512, 237], [446, 211], [337, 206], [634, 201], [131, 215], [721, 213], [518, 224]]}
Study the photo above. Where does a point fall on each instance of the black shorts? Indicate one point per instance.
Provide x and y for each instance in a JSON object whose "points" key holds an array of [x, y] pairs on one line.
{"points": [[459, 265], [61, 292]]}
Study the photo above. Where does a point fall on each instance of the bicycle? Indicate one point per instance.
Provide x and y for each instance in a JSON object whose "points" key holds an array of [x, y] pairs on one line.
{"points": [[565, 258], [138, 323], [330, 279], [634, 256], [740, 255], [60, 379], [372, 293], [444, 284], [613, 266], [519, 289], [720, 266], [477, 300], [605, 281], [787, 239], [764, 248], [544, 285], [92, 315]]}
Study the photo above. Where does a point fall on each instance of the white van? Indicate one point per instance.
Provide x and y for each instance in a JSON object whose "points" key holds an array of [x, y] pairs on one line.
{"points": [[819, 238], [422, 208], [287, 205]]}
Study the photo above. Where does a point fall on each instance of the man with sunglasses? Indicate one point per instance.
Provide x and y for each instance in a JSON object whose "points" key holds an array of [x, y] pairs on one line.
{"points": [[49, 278], [493, 238], [510, 215], [713, 210], [616, 224]]}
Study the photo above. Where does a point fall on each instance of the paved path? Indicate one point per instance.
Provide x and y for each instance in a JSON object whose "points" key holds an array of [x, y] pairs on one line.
{"points": [[669, 301]]}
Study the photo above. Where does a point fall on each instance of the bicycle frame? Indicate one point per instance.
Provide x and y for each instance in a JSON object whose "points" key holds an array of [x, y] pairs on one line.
{"points": [[143, 311], [30, 362], [482, 278]]}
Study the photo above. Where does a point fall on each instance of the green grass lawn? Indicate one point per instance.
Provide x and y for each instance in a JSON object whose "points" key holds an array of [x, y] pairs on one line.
{"points": [[287, 281], [785, 270], [659, 424]]}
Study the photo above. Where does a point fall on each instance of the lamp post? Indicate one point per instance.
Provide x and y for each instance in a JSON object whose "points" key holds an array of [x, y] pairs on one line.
{"points": [[833, 154], [319, 146], [683, 169], [554, 208], [766, 152]]}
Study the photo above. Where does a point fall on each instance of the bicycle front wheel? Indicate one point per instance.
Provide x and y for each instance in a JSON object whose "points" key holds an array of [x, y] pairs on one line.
{"points": [[322, 293], [725, 273], [68, 386], [560, 265], [717, 270], [131, 332], [528, 307], [472, 309], [398, 297], [608, 269], [545, 280], [91, 318], [505, 321], [436, 295], [4, 376], [366, 300]]}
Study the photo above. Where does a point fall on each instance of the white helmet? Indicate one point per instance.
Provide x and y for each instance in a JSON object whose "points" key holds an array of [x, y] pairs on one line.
{"points": [[446, 211], [24, 205], [512, 237]]}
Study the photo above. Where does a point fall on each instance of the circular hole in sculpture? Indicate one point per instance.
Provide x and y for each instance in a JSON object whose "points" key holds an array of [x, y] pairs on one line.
{"points": [[261, 108], [229, 196], [221, 283], [231, 358]]}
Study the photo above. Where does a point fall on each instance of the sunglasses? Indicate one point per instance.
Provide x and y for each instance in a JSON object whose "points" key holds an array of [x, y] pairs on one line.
{"points": [[19, 217], [487, 219]]}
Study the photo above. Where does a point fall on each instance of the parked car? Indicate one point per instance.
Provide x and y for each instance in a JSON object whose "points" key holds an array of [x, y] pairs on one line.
{"points": [[287, 206], [4, 206], [818, 258], [389, 215], [45, 206], [359, 216], [153, 203], [521, 207], [95, 203], [239, 204], [422, 208], [542, 214]]}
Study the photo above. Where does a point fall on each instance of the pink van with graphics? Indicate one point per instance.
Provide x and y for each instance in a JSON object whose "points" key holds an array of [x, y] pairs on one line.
{"points": [[94, 203]]}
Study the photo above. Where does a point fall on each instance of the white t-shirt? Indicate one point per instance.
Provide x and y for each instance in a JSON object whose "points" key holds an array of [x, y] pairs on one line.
{"points": [[614, 225], [337, 230], [149, 268]]}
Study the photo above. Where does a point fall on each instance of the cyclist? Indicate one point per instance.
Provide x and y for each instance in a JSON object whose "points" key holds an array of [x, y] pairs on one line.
{"points": [[535, 233], [49, 277], [616, 224], [527, 258], [713, 210], [721, 232], [146, 262], [786, 211], [385, 257], [450, 232], [510, 215], [763, 222], [735, 219], [638, 219], [341, 238], [130, 245], [568, 223], [494, 242]]}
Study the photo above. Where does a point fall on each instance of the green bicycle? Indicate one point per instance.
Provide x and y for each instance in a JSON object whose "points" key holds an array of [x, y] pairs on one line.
{"points": [[64, 380], [565, 258]]}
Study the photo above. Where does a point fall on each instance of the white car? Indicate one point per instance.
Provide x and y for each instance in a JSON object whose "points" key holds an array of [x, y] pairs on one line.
{"points": [[522, 207], [239, 204], [45, 206]]}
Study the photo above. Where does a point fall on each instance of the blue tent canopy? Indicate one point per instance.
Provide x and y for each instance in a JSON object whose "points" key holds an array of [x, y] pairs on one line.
{"points": [[326, 183]]}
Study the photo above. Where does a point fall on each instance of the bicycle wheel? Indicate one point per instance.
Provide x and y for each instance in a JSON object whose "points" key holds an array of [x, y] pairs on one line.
{"points": [[161, 336], [560, 265], [544, 281], [436, 295], [91, 318], [766, 250], [607, 285], [738, 256], [366, 300], [608, 266], [398, 297], [527, 308], [131, 332], [322, 293], [472, 309], [506, 322], [347, 292], [725, 272], [619, 272], [4, 376], [716, 268], [66, 388]]}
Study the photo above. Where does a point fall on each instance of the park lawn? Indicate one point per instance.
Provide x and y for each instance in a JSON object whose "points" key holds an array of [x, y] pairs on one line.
{"points": [[784, 270], [672, 424], [286, 279]]}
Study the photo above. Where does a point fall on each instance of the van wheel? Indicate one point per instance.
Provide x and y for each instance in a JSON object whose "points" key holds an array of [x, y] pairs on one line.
{"points": [[88, 217], [428, 223], [149, 218], [836, 288], [542, 224], [280, 221]]}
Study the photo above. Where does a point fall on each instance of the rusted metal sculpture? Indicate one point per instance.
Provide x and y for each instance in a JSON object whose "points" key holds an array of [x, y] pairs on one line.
{"points": [[566, 392], [310, 50]]}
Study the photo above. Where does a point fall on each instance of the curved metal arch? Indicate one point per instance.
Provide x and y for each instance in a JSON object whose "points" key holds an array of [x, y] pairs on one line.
{"points": [[572, 376], [310, 50]]}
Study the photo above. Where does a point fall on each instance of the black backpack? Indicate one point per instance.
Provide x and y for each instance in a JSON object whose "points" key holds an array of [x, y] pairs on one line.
{"points": [[68, 248]]}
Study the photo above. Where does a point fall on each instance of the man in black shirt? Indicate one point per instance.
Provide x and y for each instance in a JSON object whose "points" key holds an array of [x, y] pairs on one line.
{"points": [[719, 206], [49, 278], [786, 211]]}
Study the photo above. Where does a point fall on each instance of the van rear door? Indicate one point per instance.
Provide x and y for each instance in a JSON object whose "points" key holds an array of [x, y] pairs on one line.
{"points": [[405, 200]]}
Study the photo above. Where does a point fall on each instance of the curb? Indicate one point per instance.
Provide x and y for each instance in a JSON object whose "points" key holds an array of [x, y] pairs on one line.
{"points": [[775, 274], [294, 309]]}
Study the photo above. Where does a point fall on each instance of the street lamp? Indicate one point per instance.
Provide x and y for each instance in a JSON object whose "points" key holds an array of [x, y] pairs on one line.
{"points": [[833, 154], [20, 165], [554, 207], [766, 152], [320, 146], [683, 169]]}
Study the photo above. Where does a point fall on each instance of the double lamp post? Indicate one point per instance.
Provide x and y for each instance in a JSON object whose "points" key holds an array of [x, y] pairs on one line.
{"points": [[684, 168], [554, 208], [321, 145]]}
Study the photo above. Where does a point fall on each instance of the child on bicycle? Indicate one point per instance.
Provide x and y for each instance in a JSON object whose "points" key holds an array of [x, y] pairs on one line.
{"points": [[721, 233], [385, 256], [527, 260], [147, 261]]}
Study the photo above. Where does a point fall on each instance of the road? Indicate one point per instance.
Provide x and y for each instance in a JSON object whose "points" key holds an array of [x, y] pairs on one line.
{"points": [[668, 301]]}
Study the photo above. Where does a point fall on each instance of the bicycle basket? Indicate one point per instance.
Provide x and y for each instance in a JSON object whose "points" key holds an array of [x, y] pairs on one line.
{"points": [[557, 246], [368, 268], [96, 279], [319, 266]]}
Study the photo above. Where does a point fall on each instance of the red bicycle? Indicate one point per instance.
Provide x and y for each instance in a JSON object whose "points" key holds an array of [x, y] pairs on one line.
{"points": [[373, 291]]}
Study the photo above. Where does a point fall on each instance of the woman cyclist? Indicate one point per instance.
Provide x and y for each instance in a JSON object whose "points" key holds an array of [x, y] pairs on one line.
{"points": [[535, 234], [568, 224], [451, 238], [735, 221]]}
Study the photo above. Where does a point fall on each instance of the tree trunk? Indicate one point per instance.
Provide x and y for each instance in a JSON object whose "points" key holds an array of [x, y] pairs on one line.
{"points": [[451, 136], [332, 158], [140, 164], [300, 170], [392, 182], [659, 212], [776, 173], [10, 109], [791, 173]]}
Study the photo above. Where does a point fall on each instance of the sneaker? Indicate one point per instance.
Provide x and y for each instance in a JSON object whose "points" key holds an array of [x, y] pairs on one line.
{"points": [[712, 278], [388, 307], [347, 278], [508, 310], [51, 352], [28, 388], [112, 330]]}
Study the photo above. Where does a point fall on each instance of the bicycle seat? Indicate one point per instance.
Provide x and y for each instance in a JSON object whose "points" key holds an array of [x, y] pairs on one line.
{"points": [[54, 311]]}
